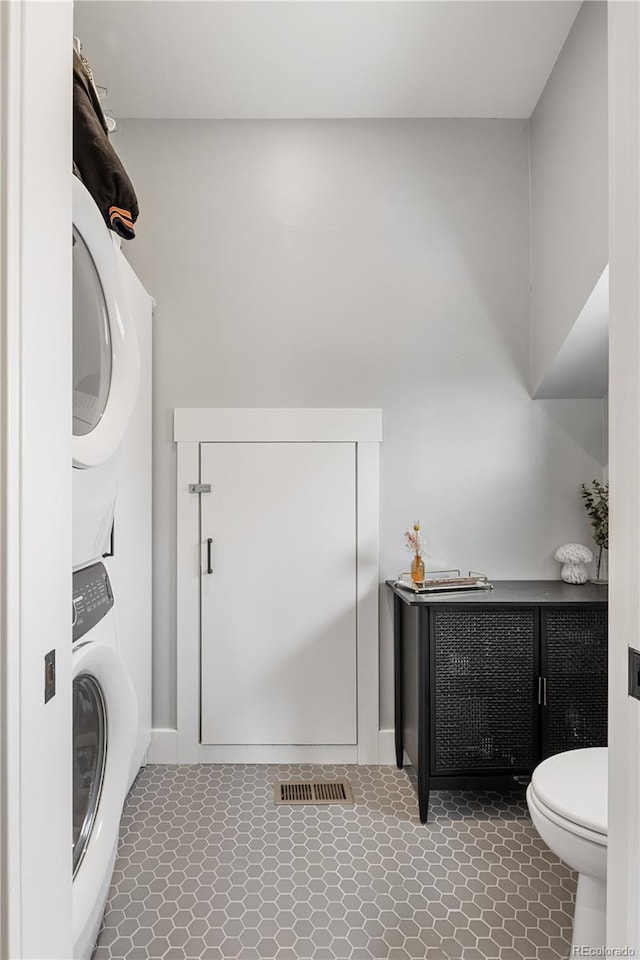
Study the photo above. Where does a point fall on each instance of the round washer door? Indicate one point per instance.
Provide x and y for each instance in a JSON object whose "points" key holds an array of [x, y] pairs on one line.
{"points": [[105, 718], [106, 355]]}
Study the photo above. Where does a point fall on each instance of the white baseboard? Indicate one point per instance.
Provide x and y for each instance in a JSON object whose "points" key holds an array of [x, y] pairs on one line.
{"points": [[386, 747], [273, 753], [164, 749], [164, 746]]}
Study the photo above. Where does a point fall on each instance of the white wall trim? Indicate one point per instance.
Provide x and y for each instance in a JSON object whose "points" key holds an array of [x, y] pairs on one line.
{"points": [[35, 478], [10, 248], [277, 426], [387, 747], [276, 753], [285, 425], [188, 606], [163, 747], [368, 585]]}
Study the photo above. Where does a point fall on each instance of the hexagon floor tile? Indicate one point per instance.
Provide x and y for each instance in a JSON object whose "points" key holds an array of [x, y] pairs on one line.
{"points": [[210, 869]]}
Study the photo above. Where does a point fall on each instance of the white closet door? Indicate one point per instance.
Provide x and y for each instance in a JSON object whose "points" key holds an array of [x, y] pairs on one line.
{"points": [[278, 657]]}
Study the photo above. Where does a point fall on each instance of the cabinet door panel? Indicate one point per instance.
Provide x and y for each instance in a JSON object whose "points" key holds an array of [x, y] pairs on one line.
{"points": [[574, 651], [484, 664], [278, 647]]}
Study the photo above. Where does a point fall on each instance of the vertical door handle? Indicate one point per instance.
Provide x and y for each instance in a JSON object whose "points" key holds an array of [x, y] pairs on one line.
{"points": [[542, 691], [209, 567]]}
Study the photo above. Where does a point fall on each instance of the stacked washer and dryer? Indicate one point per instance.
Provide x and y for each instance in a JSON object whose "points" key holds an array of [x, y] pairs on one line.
{"points": [[111, 659]]}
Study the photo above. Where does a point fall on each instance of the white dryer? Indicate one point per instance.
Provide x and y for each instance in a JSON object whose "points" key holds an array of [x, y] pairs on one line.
{"points": [[104, 738], [106, 373]]}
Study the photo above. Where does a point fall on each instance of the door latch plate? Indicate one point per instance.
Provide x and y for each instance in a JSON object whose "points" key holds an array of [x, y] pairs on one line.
{"points": [[634, 673], [49, 676], [199, 488]]}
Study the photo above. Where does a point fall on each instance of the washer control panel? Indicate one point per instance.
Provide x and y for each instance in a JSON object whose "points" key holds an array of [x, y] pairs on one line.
{"points": [[92, 598]]}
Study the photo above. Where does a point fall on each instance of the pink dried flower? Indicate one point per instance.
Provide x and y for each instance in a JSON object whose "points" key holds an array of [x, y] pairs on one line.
{"points": [[415, 543]]}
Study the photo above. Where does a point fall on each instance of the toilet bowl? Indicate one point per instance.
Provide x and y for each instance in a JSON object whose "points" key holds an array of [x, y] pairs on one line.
{"points": [[567, 800]]}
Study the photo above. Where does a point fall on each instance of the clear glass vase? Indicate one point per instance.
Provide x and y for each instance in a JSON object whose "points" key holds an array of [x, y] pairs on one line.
{"points": [[601, 566]]}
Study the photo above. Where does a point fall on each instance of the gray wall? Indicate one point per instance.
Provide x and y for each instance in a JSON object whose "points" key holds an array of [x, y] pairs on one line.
{"points": [[361, 263], [569, 186]]}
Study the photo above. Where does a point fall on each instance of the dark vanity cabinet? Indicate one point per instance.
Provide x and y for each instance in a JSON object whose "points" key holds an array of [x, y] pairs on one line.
{"points": [[488, 684]]}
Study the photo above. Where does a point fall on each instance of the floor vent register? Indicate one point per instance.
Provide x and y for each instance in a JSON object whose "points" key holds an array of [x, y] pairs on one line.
{"points": [[313, 791]]}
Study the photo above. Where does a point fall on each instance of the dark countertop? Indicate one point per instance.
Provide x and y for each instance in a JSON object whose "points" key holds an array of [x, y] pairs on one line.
{"points": [[529, 592]]}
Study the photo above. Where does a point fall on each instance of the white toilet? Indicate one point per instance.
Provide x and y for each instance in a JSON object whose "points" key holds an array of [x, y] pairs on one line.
{"points": [[567, 800]]}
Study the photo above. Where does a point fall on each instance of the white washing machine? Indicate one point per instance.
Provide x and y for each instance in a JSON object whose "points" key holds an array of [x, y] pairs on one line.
{"points": [[104, 739], [106, 373]]}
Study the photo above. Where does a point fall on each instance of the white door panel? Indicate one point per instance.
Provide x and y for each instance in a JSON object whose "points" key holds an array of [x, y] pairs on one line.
{"points": [[278, 657], [623, 848]]}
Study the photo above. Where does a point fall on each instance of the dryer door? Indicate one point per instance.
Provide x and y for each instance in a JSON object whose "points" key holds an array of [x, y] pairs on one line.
{"points": [[106, 358]]}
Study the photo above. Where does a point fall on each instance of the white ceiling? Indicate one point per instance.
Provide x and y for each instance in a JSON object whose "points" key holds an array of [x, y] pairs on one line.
{"points": [[260, 59]]}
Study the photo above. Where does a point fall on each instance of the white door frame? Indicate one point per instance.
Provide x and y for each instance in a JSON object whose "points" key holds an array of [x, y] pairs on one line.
{"points": [[35, 477], [623, 857], [195, 426]]}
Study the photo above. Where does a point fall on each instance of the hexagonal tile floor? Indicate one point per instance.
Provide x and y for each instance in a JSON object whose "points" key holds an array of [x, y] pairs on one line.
{"points": [[210, 869]]}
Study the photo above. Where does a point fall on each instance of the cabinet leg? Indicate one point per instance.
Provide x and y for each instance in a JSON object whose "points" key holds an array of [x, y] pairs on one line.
{"points": [[423, 794], [423, 803]]}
